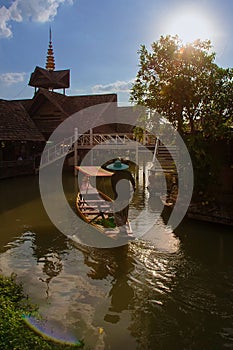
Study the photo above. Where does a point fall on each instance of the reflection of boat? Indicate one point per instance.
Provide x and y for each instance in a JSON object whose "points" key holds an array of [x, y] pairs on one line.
{"points": [[157, 199], [95, 207], [156, 182], [166, 201], [163, 184]]}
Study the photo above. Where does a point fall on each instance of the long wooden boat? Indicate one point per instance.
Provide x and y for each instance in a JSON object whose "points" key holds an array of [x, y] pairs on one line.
{"points": [[96, 208]]}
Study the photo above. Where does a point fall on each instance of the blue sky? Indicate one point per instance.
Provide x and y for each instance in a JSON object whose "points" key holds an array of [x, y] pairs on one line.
{"points": [[99, 40]]}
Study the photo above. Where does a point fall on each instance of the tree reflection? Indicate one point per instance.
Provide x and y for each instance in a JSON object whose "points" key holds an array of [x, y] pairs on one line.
{"points": [[49, 252], [52, 268], [118, 264]]}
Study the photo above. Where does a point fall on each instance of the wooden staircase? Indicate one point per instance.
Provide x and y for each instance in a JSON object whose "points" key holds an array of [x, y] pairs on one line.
{"points": [[165, 158]]}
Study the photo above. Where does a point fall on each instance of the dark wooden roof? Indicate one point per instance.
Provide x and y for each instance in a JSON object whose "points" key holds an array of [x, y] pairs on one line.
{"points": [[69, 104], [77, 103], [26, 103], [131, 115], [16, 124], [41, 96], [61, 107], [50, 78]]}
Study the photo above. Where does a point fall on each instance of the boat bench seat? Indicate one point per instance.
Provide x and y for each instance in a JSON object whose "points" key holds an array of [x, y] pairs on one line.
{"points": [[92, 212], [95, 206], [92, 200]]}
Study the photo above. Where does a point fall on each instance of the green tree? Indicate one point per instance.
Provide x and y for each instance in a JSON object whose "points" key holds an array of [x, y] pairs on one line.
{"points": [[185, 85], [182, 83]]}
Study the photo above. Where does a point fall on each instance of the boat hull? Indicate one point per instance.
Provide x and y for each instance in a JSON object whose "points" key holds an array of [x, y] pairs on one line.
{"points": [[96, 209]]}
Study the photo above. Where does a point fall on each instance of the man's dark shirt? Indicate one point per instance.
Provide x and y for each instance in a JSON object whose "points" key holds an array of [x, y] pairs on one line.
{"points": [[124, 186]]}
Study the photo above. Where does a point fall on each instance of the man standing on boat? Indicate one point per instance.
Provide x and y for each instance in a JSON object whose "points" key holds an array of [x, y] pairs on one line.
{"points": [[122, 184]]}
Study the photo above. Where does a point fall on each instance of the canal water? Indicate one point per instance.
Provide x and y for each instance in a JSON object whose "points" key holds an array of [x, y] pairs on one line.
{"points": [[174, 291]]}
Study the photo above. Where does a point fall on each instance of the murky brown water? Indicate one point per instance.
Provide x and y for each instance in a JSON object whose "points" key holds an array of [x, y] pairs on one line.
{"points": [[174, 291]]}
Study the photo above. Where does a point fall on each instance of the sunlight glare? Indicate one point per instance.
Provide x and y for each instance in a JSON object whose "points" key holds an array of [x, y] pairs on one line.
{"points": [[189, 25]]}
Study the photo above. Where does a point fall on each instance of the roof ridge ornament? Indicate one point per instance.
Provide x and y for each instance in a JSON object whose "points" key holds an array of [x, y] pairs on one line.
{"points": [[50, 62], [49, 78]]}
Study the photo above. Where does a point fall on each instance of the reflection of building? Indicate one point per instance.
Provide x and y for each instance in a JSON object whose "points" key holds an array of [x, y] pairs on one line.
{"points": [[24, 124]]}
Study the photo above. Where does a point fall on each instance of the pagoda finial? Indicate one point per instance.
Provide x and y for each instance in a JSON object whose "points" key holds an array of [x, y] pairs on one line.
{"points": [[50, 62]]}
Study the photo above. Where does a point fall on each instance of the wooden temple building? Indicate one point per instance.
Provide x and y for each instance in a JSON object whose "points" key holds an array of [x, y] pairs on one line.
{"points": [[25, 125]]}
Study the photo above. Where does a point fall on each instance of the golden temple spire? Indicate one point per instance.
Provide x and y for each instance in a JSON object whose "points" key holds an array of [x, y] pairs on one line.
{"points": [[50, 62]]}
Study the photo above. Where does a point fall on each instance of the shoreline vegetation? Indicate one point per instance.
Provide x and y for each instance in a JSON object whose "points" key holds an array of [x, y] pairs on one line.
{"points": [[14, 332], [183, 83]]}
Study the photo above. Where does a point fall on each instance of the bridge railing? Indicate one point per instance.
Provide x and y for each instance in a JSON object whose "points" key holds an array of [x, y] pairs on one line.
{"points": [[66, 146], [57, 151]]}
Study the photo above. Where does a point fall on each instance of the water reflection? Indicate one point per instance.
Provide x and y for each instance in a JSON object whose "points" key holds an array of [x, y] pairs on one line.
{"points": [[14, 193], [169, 290], [155, 204], [118, 264], [52, 267]]}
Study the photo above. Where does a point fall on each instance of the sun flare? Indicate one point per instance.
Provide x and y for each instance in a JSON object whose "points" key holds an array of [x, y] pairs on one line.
{"points": [[189, 25]]}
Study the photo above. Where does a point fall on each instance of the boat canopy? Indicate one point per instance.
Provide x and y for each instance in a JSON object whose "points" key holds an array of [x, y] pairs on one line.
{"points": [[93, 170]]}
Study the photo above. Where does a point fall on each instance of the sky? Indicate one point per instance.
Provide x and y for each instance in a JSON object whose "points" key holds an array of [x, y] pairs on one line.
{"points": [[99, 40]]}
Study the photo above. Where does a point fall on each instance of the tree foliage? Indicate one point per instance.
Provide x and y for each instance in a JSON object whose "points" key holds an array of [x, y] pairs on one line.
{"points": [[184, 84]]}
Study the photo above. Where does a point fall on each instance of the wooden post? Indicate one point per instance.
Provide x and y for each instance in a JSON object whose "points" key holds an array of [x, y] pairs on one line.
{"points": [[75, 151], [91, 137], [144, 173], [91, 144], [144, 137], [136, 161]]}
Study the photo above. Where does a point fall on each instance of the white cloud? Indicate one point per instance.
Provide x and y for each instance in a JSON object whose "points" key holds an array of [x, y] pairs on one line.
{"points": [[4, 18], [34, 10], [12, 78], [118, 86], [77, 91]]}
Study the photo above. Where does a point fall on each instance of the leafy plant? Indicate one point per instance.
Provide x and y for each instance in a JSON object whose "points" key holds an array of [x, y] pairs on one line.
{"points": [[108, 223]]}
